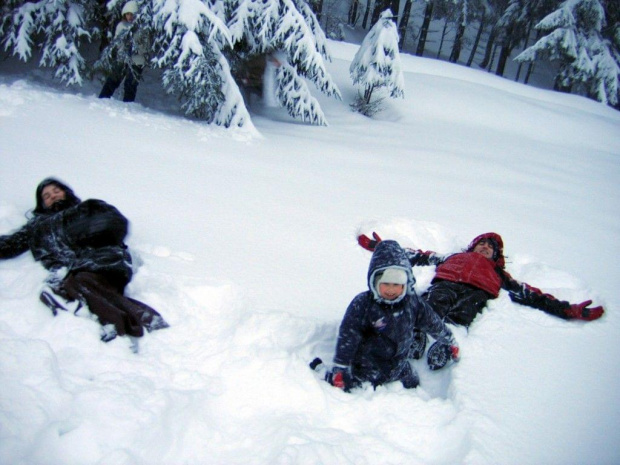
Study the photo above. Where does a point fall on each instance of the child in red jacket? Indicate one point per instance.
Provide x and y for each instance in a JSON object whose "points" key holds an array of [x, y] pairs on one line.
{"points": [[464, 282]]}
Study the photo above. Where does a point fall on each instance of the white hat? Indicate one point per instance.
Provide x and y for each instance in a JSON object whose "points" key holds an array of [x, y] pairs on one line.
{"points": [[130, 7], [393, 276]]}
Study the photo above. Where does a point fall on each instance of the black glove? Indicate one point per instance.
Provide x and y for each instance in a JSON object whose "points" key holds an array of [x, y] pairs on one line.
{"points": [[440, 353]]}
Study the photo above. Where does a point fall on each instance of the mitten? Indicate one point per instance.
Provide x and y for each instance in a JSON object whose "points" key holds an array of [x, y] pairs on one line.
{"points": [[440, 353], [583, 312], [368, 243], [340, 377]]}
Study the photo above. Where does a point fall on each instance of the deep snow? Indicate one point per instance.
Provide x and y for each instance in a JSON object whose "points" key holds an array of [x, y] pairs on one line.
{"points": [[246, 245]]}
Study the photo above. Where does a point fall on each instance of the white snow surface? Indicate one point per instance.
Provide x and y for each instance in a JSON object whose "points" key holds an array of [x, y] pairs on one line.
{"points": [[247, 246]]}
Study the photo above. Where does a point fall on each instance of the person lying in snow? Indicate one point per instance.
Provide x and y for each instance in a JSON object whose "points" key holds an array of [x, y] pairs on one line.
{"points": [[81, 243], [464, 282], [376, 336]]}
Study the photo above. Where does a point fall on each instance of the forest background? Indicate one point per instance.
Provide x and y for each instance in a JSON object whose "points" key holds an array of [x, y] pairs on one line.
{"points": [[201, 47]]}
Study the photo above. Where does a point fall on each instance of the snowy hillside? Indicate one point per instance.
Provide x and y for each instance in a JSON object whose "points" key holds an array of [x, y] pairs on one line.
{"points": [[246, 245]]}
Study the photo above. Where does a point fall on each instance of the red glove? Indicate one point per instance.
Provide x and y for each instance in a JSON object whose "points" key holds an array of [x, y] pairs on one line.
{"points": [[455, 352], [341, 378], [338, 380], [367, 243], [583, 312]]}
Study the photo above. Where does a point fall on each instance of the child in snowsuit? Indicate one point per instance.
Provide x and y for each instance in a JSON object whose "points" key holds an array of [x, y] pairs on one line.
{"points": [[377, 332], [81, 243], [130, 73], [464, 282]]}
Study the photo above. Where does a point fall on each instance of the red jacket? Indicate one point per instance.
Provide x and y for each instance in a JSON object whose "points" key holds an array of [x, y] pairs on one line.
{"points": [[471, 268]]}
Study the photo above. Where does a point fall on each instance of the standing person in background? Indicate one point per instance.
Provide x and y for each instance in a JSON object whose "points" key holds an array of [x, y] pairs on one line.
{"points": [[131, 73], [81, 244]]}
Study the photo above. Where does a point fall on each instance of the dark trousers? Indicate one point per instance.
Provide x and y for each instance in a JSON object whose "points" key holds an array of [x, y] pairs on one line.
{"points": [[131, 75], [456, 303], [104, 296]]}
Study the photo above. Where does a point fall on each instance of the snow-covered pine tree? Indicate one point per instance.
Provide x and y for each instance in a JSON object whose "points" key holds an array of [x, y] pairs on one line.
{"points": [[56, 27], [587, 61], [188, 39], [194, 42], [290, 28], [377, 63]]}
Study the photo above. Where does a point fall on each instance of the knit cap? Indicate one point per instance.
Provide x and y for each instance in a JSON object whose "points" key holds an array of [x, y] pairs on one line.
{"points": [[392, 276]]}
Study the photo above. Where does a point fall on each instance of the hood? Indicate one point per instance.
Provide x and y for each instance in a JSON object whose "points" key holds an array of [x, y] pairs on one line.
{"points": [[71, 198], [498, 256], [389, 254]]}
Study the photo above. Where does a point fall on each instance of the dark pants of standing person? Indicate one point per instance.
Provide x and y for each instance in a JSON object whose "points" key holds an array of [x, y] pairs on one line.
{"points": [[131, 75], [104, 295]]}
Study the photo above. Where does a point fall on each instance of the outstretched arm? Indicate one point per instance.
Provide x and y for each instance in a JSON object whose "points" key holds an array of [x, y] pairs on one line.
{"points": [[423, 258], [415, 257], [525, 294], [14, 244]]}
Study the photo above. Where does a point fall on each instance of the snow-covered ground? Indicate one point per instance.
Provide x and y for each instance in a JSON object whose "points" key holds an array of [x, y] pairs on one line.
{"points": [[246, 245]]}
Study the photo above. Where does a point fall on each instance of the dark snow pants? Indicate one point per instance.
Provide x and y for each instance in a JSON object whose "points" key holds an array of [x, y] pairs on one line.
{"points": [[103, 294], [131, 75], [456, 303], [378, 375]]}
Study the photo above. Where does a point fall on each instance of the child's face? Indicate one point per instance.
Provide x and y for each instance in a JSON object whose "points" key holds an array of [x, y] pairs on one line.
{"points": [[391, 291]]}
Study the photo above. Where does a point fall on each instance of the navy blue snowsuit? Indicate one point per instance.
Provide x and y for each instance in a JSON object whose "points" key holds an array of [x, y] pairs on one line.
{"points": [[376, 335]]}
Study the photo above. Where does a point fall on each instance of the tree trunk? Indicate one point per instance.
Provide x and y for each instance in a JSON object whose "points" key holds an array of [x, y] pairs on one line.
{"points": [[318, 9], [443, 36], [402, 26], [525, 45], [489, 49], [476, 41], [355, 4], [505, 51], [395, 7], [530, 70], [458, 41], [495, 47], [366, 14], [503, 58], [428, 15], [368, 93], [380, 7]]}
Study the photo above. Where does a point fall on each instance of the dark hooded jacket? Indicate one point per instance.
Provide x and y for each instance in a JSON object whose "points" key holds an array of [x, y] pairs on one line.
{"points": [[80, 236], [479, 272], [376, 335]]}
